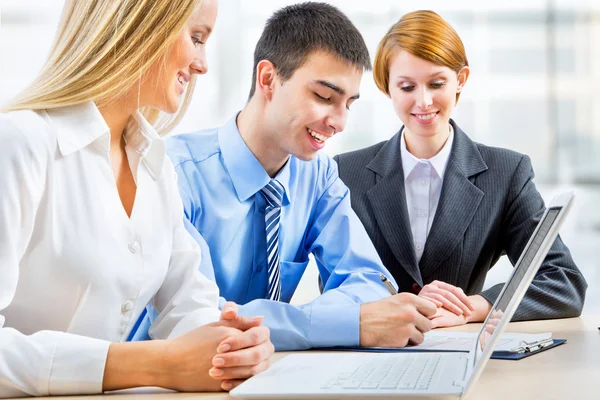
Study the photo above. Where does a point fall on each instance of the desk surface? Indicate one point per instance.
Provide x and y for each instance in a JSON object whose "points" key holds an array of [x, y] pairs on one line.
{"points": [[568, 371]]}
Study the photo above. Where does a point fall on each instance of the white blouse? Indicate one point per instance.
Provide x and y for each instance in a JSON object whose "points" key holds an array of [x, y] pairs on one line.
{"points": [[423, 179], [75, 271]]}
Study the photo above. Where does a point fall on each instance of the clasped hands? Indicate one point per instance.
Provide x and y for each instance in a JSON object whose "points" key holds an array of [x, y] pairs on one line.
{"points": [[220, 355], [454, 306]]}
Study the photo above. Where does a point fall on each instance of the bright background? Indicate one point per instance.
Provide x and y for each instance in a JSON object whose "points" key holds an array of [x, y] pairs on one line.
{"points": [[535, 75]]}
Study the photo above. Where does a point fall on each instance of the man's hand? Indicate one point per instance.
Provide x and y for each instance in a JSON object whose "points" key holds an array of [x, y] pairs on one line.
{"points": [[395, 321], [450, 297]]}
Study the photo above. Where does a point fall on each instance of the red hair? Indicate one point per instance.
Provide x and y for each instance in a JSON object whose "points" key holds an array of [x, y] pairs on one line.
{"points": [[423, 34]]}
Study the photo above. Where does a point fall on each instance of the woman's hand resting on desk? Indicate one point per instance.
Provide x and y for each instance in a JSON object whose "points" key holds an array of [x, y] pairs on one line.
{"points": [[450, 297], [444, 318], [209, 358], [454, 306], [241, 356]]}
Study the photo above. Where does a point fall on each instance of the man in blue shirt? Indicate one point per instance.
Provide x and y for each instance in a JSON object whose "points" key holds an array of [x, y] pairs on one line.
{"points": [[263, 197]]}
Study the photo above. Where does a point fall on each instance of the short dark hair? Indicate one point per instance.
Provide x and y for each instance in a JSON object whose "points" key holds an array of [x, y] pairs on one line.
{"points": [[295, 31]]}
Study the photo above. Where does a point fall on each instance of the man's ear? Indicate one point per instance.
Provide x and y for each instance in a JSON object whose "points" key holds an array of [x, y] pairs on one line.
{"points": [[266, 75]]}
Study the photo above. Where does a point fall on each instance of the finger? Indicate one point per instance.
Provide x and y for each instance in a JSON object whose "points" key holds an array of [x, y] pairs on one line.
{"points": [[231, 384], [252, 337], [431, 297], [416, 337], [422, 323], [243, 323], [456, 291], [443, 322], [460, 294], [463, 308], [244, 357], [229, 311], [425, 306], [447, 304], [238, 372]]}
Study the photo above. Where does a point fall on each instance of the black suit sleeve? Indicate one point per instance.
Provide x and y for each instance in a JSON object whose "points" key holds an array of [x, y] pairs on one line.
{"points": [[558, 289]]}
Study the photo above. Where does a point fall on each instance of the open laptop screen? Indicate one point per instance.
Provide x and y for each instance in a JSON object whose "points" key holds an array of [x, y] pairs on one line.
{"points": [[496, 316]]}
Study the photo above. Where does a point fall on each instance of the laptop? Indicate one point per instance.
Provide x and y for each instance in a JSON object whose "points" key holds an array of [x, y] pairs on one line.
{"points": [[376, 375]]}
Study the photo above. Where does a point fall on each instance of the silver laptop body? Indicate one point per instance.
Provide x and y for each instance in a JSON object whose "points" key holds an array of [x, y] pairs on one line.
{"points": [[380, 375]]}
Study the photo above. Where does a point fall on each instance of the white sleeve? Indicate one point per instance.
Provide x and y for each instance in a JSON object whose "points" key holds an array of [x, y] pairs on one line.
{"points": [[45, 363], [186, 299]]}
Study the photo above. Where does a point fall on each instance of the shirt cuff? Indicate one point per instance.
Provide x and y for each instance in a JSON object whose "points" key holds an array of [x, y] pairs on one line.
{"points": [[78, 365], [335, 325]]}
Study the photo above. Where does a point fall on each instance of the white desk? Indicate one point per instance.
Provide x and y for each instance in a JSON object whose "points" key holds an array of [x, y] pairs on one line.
{"points": [[570, 371]]}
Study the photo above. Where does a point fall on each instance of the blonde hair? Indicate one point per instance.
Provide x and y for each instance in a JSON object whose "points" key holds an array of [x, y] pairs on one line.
{"points": [[101, 49], [423, 34]]}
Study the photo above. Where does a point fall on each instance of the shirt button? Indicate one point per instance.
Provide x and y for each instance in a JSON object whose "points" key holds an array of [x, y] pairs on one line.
{"points": [[421, 214], [423, 183], [418, 246], [126, 307], [134, 246]]}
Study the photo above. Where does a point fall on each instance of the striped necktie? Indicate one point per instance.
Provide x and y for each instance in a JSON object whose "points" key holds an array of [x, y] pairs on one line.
{"points": [[273, 193]]}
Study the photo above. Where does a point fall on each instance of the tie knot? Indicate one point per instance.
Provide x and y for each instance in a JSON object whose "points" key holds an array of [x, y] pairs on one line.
{"points": [[273, 193]]}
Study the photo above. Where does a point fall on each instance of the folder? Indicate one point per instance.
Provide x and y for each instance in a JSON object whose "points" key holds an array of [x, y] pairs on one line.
{"points": [[529, 350], [512, 346]]}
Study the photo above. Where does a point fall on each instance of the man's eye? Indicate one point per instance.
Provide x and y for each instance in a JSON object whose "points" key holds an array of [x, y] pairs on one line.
{"points": [[321, 97]]}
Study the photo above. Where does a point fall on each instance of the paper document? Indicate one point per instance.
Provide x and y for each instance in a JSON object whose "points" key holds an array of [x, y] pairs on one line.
{"points": [[463, 341]]}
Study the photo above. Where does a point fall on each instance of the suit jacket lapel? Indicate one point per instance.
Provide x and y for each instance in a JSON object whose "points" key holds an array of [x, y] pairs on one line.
{"points": [[458, 203], [388, 200]]}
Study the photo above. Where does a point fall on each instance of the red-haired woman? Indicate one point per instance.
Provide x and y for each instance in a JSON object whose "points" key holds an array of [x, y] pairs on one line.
{"points": [[440, 208]]}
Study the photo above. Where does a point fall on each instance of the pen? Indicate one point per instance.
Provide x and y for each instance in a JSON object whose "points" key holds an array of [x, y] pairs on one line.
{"points": [[388, 284]]}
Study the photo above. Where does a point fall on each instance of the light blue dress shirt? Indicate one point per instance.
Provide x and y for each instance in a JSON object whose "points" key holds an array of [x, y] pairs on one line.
{"points": [[220, 181]]}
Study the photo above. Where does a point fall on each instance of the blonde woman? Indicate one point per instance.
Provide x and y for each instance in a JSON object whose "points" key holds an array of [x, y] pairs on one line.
{"points": [[91, 223]]}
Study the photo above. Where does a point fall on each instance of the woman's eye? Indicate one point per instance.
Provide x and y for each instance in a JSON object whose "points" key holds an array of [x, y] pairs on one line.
{"points": [[438, 85], [197, 41], [407, 88]]}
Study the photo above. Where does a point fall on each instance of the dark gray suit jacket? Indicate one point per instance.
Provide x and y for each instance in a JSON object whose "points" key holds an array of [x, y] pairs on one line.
{"points": [[488, 207]]}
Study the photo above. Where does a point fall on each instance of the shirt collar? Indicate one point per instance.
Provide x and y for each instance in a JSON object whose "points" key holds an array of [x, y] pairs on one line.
{"points": [[439, 161], [80, 125], [246, 172], [144, 139], [77, 126]]}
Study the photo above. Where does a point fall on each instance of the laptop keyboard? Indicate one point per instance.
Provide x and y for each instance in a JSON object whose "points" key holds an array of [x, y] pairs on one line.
{"points": [[412, 372]]}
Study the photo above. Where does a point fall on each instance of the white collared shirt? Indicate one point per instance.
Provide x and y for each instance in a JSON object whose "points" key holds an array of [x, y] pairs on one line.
{"points": [[423, 185], [75, 271]]}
